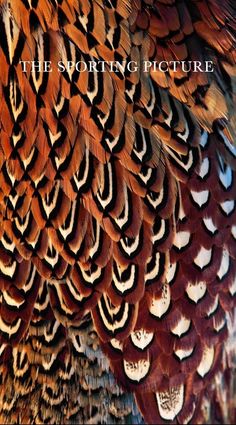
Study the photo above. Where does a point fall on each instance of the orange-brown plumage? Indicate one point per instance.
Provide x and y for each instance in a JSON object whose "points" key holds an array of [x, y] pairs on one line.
{"points": [[117, 211]]}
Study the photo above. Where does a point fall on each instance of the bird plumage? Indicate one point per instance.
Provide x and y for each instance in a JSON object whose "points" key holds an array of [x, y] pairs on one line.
{"points": [[117, 210]]}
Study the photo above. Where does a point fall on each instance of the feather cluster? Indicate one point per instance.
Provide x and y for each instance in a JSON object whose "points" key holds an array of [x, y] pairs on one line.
{"points": [[117, 211]]}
